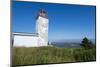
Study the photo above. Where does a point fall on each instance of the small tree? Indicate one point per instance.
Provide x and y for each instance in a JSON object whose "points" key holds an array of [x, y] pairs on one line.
{"points": [[86, 43]]}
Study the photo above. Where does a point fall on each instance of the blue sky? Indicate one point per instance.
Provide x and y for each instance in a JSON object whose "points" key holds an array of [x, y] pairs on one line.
{"points": [[66, 21]]}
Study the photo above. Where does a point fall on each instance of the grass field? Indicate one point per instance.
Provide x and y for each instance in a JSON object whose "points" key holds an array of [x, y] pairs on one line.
{"points": [[43, 55]]}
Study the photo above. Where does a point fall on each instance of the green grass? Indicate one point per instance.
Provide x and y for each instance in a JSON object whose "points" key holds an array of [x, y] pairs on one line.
{"points": [[43, 55]]}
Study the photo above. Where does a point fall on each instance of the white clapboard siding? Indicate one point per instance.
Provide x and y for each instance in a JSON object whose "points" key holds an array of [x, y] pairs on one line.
{"points": [[25, 40]]}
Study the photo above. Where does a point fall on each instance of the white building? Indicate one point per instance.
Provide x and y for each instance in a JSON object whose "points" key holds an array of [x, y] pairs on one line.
{"points": [[40, 38]]}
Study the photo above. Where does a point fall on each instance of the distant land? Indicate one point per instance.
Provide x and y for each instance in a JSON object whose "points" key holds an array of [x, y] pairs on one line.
{"points": [[69, 43]]}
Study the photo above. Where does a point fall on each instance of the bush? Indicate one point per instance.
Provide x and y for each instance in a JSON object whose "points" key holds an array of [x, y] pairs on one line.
{"points": [[86, 43]]}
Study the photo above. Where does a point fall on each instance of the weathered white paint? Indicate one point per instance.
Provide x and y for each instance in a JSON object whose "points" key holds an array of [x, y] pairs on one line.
{"points": [[42, 30], [40, 38]]}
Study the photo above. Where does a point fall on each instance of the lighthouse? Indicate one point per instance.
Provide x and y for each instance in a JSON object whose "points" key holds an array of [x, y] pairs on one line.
{"points": [[37, 39], [42, 28]]}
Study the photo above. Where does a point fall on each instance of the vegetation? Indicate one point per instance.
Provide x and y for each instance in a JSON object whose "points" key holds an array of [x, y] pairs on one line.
{"points": [[43, 55], [86, 43], [85, 54]]}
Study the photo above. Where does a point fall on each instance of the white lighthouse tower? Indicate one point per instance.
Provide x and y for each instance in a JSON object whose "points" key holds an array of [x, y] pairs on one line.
{"points": [[42, 28]]}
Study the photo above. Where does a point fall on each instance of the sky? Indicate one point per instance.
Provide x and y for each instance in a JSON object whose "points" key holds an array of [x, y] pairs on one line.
{"points": [[66, 21]]}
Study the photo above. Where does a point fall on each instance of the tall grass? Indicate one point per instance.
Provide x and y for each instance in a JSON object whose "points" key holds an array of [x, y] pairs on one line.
{"points": [[43, 55], [85, 54]]}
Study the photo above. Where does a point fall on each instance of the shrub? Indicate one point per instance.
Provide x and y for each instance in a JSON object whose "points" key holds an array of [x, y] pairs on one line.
{"points": [[86, 43]]}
